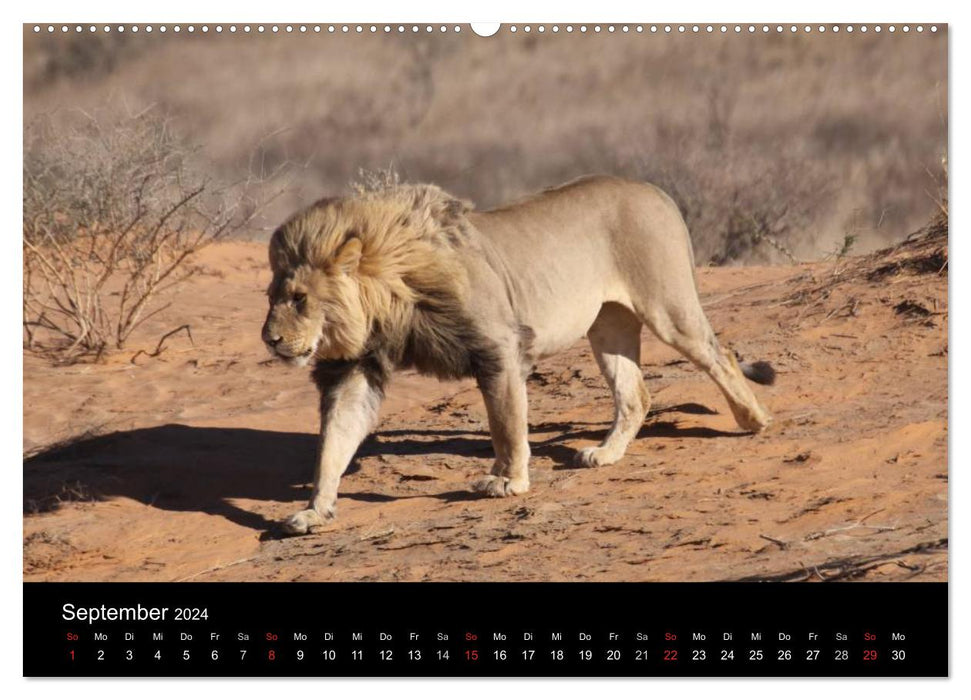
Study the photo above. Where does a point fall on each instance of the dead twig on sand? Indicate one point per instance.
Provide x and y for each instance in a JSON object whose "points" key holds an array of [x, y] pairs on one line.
{"points": [[218, 567], [861, 523], [850, 307], [159, 348], [408, 545], [851, 566], [781, 543]]}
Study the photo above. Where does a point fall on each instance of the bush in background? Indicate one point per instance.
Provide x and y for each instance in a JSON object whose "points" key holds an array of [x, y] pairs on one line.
{"points": [[112, 212]]}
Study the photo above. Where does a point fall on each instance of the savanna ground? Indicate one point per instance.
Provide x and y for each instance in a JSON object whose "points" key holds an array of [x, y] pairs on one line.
{"points": [[177, 462], [197, 454]]}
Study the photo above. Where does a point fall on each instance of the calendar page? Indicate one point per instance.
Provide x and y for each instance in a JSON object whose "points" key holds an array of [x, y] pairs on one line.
{"points": [[550, 349]]}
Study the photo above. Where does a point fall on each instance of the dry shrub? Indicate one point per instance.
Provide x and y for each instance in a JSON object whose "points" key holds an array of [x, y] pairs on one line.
{"points": [[112, 211], [376, 180], [739, 205], [940, 196], [73, 55]]}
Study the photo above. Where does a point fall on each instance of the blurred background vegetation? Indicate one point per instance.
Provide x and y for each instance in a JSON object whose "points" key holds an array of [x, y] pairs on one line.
{"points": [[775, 146]]}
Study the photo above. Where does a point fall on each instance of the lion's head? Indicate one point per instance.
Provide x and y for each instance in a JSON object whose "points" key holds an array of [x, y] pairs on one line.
{"points": [[344, 265], [316, 309]]}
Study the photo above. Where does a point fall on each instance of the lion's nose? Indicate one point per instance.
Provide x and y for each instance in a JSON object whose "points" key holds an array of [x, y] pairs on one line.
{"points": [[270, 338]]}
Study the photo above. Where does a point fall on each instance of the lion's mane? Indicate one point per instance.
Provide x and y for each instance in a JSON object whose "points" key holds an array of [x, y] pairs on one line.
{"points": [[412, 286]]}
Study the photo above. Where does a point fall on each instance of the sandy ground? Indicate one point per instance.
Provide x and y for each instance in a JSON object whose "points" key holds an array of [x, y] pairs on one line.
{"points": [[179, 467]]}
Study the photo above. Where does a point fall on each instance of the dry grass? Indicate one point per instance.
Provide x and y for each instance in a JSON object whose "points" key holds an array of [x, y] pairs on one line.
{"points": [[762, 140], [112, 212]]}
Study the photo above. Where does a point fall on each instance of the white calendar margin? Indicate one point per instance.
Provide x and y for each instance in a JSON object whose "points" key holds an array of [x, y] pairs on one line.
{"points": [[811, 11]]}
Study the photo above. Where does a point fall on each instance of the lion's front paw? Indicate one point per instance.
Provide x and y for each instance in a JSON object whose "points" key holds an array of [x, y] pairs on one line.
{"points": [[306, 521], [593, 457], [500, 486]]}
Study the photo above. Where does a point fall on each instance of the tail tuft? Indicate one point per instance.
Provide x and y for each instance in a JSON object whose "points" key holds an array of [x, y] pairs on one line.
{"points": [[760, 372]]}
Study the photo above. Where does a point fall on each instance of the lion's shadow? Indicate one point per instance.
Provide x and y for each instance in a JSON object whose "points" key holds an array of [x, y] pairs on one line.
{"points": [[182, 468]]}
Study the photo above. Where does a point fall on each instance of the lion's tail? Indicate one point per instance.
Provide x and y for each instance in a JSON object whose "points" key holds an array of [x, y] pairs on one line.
{"points": [[760, 372]]}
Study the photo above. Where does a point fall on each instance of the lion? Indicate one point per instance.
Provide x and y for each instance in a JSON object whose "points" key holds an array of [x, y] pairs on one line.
{"points": [[410, 277]]}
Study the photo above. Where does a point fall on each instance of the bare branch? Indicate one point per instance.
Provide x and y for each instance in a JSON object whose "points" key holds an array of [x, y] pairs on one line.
{"points": [[113, 209], [159, 348]]}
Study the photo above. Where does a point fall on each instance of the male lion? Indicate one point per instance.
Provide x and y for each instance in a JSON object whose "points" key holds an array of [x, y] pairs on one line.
{"points": [[409, 276]]}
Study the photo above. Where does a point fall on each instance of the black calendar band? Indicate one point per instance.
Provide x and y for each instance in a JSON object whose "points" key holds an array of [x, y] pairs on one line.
{"points": [[485, 629]]}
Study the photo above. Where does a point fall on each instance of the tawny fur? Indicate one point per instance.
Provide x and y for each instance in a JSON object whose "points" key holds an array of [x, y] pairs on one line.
{"points": [[410, 276], [408, 236]]}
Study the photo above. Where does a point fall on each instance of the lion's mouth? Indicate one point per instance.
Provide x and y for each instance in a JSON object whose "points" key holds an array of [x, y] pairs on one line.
{"points": [[298, 359]]}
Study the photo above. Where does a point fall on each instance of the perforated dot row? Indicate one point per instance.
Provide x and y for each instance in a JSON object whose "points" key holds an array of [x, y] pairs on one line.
{"points": [[250, 28], [721, 28], [428, 28]]}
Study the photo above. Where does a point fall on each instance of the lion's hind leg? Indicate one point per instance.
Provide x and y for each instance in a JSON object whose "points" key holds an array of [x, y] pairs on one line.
{"points": [[689, 332], [615, 337]]}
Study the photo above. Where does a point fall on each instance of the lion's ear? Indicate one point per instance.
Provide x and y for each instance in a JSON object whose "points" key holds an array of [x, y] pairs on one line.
{"points": [[348, 257], [278, 256]]}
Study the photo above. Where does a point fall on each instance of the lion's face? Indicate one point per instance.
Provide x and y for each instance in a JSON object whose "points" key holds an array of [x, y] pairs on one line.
{"points": [[315, 314]]}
